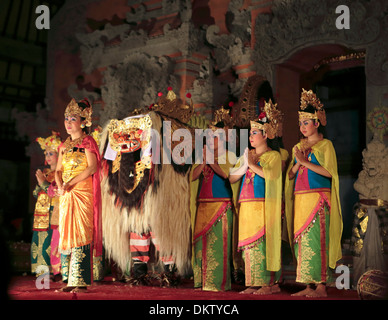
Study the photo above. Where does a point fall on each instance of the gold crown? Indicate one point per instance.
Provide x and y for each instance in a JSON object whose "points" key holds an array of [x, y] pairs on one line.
{"points": [[173, 107], [73, 109], [310, 98], [272, 118], [221, 115], [52, 142]]}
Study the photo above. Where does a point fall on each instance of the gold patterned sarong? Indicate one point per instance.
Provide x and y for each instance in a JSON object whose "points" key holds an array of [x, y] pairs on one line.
{"points": [[251, 223], [76, 205], [76, 216]]}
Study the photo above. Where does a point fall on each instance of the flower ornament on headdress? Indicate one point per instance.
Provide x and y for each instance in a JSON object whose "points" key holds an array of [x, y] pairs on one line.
{"points": [[52, 142], [269, 121], [309, 98], [96, 134], [73, 109]]}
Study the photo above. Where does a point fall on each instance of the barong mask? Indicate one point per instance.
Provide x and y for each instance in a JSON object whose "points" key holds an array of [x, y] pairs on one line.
{"points": [[129, 136], [309, 98]]}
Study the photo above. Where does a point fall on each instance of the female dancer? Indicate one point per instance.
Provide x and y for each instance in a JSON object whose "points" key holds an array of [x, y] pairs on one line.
{"points": [[313, 210], [259, 235], [213, 216], [77, 177], [44, 244]]}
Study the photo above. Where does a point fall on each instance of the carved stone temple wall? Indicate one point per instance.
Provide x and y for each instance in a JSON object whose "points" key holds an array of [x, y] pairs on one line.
{"points": [[120, 54]]}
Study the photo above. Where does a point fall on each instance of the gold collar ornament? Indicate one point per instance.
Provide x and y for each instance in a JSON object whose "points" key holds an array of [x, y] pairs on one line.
{"points": [[310, 98], [73, 109]]}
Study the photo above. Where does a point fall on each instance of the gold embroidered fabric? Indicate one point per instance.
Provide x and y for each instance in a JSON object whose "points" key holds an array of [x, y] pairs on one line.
{"points": [[42, 212], [74, 162], [360, 227], [76, 216]]}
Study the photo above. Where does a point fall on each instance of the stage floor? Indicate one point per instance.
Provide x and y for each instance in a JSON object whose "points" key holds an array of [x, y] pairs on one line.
{"points": [[24, 288]]}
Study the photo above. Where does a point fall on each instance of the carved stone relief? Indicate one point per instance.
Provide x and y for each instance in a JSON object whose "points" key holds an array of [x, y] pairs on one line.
{"points": [[372, 182], [297, 24], [134, 83], [291, 26]]}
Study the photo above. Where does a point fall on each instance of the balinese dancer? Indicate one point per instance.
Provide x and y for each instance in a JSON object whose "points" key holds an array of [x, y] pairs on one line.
{"points": [[44, 246], [78, 180], [213, 218], [313, 210], [259, 210]]}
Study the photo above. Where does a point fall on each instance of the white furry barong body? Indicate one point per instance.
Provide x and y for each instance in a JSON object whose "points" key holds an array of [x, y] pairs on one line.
{"points": [[165, 210]]}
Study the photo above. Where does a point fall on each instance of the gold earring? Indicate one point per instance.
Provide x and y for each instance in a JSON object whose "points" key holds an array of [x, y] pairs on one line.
{"points": [[82, 125]]}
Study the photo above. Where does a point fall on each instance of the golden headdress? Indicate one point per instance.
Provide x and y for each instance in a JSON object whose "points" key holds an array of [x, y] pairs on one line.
{"points": [[73, 109], [309, 98], [221, 115], [174, 107], [270, 120], [52, 142]]}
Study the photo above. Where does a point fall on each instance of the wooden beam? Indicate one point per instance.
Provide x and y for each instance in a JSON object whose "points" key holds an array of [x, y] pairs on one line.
{"points": [[15, 50]]}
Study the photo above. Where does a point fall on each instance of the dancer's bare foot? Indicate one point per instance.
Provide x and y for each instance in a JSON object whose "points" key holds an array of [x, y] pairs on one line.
{"points": [[65, 289], [275, 288], [304, 292], [249, 290], [263, 291], [319, 292], [79, 289]]}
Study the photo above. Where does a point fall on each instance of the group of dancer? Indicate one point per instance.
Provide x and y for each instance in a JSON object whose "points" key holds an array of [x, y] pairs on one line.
{"points": [[243, 206]]}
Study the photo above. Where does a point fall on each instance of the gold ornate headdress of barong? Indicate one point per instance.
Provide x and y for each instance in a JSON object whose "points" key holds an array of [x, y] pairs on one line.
{"points": [[73, 109], [271, 120], [174, 107], [52, 142], [310, 98]]}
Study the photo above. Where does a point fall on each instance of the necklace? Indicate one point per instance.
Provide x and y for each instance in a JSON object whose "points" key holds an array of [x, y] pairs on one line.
{"points": [[70, 144]]}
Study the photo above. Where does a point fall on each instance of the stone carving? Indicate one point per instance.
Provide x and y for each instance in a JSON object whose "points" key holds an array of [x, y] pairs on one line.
{"points": [[299, 23], [207, 89], [134, 83], [369, 242], [238, 21], [229, 49], [145, 11], [92, 44], [372, 182], [78, 94]]}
